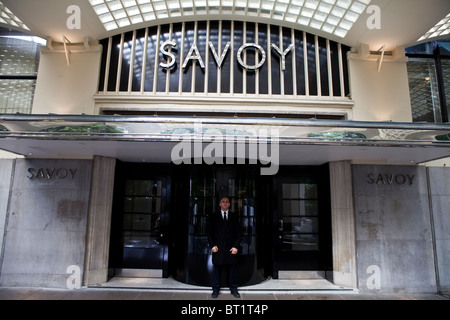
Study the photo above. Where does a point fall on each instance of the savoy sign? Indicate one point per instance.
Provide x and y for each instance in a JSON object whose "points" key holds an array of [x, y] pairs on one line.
{"points": [[194, 55]]}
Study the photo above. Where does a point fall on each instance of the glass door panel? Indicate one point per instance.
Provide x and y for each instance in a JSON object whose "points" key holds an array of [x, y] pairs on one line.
{"points": [[299, 222], [141, 234], [303, 220]]}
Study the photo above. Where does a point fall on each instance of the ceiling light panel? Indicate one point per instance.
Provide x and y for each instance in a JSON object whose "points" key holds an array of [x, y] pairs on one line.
{"points": [[442, 28], [9, 18], [336, 17]]}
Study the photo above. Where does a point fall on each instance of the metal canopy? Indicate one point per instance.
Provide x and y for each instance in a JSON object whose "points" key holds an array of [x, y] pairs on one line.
{"points": [[153, 138]]}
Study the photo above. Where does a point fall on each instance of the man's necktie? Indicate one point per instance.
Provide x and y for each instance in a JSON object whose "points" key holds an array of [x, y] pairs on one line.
{"points": [[225, 216]]}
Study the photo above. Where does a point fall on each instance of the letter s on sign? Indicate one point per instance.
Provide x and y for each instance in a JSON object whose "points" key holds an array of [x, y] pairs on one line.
{"points": [[163, 51], [31, 171]]}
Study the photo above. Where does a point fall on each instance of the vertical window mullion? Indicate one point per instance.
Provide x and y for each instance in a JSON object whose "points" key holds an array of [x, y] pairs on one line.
{"points": [[168, 73], [280, 31], [244, 71], [440, 82], [294, 64], [219, 50], [256, 60], [341, 70], [319, 83], [144, 61], [232, 60], [269, 61], [180, 79], [119, 63], [330, 70], [205, 91], [132, 60], [305, 55], [194, 62], [108, 62], [155, 72]]}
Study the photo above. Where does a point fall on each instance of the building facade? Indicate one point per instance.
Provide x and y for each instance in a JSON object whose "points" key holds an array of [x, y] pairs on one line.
{"points": [[132, 139]]}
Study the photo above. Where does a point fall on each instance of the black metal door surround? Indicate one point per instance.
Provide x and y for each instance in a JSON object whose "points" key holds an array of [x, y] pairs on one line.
{"points": [[139, 225], [207, 185], [302, 220]]}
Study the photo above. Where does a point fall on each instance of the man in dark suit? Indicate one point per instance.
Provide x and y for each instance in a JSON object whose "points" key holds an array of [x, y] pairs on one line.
{"points": [[224, 236]]}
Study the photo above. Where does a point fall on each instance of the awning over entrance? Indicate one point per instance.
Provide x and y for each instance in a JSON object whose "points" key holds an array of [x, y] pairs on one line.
{"points": [[178, 139]]}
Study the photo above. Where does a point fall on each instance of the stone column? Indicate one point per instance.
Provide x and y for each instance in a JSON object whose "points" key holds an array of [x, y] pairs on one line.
{"points": [[99, 221], [343, 224]]}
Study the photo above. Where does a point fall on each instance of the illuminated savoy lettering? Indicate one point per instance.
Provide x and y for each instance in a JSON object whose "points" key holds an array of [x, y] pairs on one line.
{"points": [[194, 55]]}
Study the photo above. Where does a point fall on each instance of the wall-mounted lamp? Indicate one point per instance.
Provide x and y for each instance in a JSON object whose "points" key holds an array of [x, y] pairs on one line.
{"points": [[68, 47], [380, 61]]}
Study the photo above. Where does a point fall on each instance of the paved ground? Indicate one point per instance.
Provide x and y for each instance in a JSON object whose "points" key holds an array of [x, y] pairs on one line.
{"points": [[7, 293]]}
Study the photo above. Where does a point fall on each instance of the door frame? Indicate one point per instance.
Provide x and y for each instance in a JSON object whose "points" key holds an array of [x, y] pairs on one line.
{"points": [[181, 261], [324, 256], [139, 171]]}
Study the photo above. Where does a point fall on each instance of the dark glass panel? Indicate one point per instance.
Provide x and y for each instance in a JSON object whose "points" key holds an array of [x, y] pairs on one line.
{"points": [[114, 62], [276, 60], [424, 48], [126, 61], [263, 71], [300, 63], [444, 48], [188, 42], [175, 70], [162, 72], [213, 67], [445, 63], [288, 76], [250, 56], [238, 70], [227, 64], [324, 84], [312, 64], [138, 60], [202, 46], [152, 51], [335, 69]]}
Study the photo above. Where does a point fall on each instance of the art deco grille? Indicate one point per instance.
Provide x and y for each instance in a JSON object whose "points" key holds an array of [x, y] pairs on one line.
{"points": [[260, 61]]}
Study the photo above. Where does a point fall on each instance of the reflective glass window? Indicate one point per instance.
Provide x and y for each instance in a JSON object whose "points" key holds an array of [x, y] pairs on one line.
{"points": [[424, 90], [19, 63]]}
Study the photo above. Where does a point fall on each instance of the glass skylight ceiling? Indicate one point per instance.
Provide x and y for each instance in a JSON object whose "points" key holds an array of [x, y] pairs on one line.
{"points": [[7, 17], [440, 29], [332, 16]]}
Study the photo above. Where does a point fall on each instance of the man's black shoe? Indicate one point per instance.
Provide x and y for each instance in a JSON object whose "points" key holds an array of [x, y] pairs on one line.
{"points": [[236, 294], [215, 295]]}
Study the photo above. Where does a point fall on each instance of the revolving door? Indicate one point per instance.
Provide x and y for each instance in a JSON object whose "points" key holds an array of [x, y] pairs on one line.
{"points": [[202, 189]]}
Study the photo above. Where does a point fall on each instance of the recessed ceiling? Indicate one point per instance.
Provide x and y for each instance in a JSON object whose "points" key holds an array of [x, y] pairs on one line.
{"points": [[402, 23], [442, 28], [8, 18], [336, 17]]}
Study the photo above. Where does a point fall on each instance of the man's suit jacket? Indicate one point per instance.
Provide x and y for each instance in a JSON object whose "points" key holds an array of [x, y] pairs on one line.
{"points": [[225, 235]]}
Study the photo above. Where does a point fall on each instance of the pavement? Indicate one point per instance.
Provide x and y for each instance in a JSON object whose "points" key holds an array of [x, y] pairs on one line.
{"points": [[168, 289], [99, 293]]}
